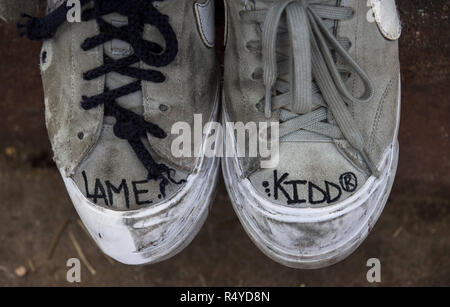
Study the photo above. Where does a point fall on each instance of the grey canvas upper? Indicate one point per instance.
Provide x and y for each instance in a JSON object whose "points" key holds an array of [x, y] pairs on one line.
{"points": [[330, 75], [85, 146]]}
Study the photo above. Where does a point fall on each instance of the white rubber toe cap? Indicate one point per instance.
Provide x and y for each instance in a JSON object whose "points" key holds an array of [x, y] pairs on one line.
{"points": [[155, 233], [310, 238]]}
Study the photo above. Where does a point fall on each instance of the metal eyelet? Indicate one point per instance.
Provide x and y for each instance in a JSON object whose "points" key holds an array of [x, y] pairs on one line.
{"points": [[259, 107], [163, 108]]}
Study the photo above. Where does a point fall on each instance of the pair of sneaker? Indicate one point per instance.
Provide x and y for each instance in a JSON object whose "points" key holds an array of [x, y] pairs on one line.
{"points": [[325, 72]]}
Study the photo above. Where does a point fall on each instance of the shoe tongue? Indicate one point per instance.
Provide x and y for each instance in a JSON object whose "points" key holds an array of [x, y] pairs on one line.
{"points": [[118, 49]]}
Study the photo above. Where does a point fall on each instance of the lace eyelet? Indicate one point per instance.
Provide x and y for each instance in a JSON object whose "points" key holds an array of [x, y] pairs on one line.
{"points": [[256, 75], [44, 57], [80, 135], [163, 108], [260, 106]]}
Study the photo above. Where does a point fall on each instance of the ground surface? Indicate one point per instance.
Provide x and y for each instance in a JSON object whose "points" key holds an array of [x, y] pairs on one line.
{"points": [[412, 237]]}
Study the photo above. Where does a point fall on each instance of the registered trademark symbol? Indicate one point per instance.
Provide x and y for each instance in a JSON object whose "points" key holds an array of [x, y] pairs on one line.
{"points": [[348, 182]]}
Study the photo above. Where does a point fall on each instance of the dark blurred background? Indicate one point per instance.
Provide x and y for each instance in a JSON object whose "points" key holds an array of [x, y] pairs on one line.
{"points": [[412, 237]]}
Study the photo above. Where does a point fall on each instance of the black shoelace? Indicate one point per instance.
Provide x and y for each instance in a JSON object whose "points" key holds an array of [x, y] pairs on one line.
{"points": [[129, 126]]}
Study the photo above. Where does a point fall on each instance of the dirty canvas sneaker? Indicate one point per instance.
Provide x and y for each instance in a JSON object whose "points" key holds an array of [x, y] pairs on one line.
{"points": [[328, 73], [115, 83]]}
